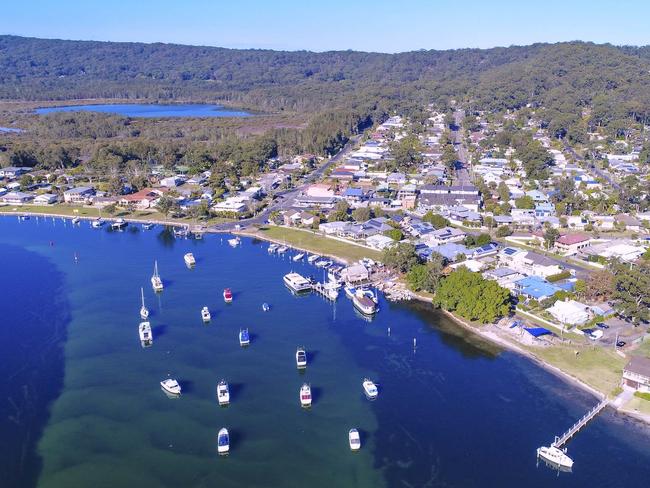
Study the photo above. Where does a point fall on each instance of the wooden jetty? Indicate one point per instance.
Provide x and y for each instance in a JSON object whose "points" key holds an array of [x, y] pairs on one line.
{"points": [[575, 428]]}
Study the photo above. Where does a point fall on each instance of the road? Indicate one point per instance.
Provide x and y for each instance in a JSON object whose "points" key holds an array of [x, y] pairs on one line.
{"points": [[284, 199], [462, 176], [598, 172]]}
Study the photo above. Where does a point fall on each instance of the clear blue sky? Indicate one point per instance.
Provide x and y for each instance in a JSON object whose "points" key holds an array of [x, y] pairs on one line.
{"points": [[378, 25]]}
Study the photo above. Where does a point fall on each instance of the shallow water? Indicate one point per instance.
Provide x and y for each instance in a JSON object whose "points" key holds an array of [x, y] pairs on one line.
{"points": [[455, 412], [151, 110]]}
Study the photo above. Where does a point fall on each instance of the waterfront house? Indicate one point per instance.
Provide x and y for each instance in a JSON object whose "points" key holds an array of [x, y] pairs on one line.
{"points": [[379, 242], [16, 198], [636, 374], [236, 205], [569, 312], [535, 287], [355, 273], [143, 199], [46, 199], [80, 194]]}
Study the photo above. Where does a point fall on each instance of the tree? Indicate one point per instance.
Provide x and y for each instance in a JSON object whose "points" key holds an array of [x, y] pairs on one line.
{"points": [[551, 234], [600, 285], [472, 240], [407, 153], [110, 209], [473, 297], [340, 213], [395, 234], [427, 276], [504, 191], [489, 222], [535, 160], [525, 202], [401, 257], [436, 220], [167, 205], [632, 290], [25, 182], [362, 214], [503, 231]]}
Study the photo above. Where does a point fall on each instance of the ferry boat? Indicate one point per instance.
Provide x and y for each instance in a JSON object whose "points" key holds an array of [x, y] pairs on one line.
{"points": [[171, 387], [189, 259], [305, 395], [313, 258], [205, 314], [354, 439], [76, 220], [244, 337], [301, 358], [298, 257], [223, 442], [272, 248], [266, 307], [156, 282], [370, 389], [148, 226], [364, 304], [146, 338], [97, 223], [234, 242], [119, 224], [144, 311], [223, 393], [555, 456], [227, 295], [297, 283]]}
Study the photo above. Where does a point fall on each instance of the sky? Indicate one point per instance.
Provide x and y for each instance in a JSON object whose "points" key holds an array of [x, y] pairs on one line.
{"points": [[377, 25]]}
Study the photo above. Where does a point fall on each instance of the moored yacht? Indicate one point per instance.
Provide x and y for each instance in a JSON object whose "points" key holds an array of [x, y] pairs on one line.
{"points": [[298, 256], [234, 242], [370, 389], [354, 439], [97, 223], [282, 249], [146, 338], [244, 337], [311, 259], [205, 314], [272, 248], [301, 358], [144, 311], [297, 283], [189, 259], [223, 442], [119, 224], [171, 387], [227, 295], [223, 393], [350, 291], [305, 395], [555, 456], [266, 307], [156, 281], [148, 226]]}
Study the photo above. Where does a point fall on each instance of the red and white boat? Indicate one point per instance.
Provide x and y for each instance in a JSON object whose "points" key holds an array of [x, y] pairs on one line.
{"points": [[227, 295]]}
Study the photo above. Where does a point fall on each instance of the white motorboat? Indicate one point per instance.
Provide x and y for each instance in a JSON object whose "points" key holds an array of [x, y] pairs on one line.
{"points": [[313, 258], [156, 282], [97, 223], [76, 220], [189, 259], [148, 226], [119, 224], [144, 311], [171, 387], [266, 307], [146, 338], [364, 304], [298, 256], [296, 282], [282, 249], [244, 337], [223, 442], [354, 439], [350, 291], [205, 314], [234, 242], [555, 456], [227, 295], [272, 248], [301, 358], [323, 263], [370, 389], [223, 393], [305, 395]]}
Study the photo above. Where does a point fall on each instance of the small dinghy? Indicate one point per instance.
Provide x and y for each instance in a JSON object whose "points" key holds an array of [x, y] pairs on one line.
{"points": [[266, 307], [370, 389], [244, 337], [305, 395], [205, 314], [223, 442], [354, 439], [223, 393], [146, 338], [171, 387], [301, 358]]}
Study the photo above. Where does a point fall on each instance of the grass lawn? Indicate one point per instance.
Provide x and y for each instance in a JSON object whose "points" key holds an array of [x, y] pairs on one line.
{"points": [[643, 350], [598, 367], [643, 406], [319, 244]]}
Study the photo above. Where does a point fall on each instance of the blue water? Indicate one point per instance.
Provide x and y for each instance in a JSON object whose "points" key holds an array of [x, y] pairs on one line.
{"points": [[457, 412], [151, 110]]}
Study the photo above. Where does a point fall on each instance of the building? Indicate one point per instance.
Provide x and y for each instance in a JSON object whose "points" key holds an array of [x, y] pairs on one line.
{"points": [[306, 201], [443, 236], [143, 199], [16, 198], [379, 242], [636, 374], [569, 312], [46, 199], [529, 263], [504, 277], [237, 205], [355, 273], [570, 244], [13, 172], [80, 194], [171, 182], [535, 287]]}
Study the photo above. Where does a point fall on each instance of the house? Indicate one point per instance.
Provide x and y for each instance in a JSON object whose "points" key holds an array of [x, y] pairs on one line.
{"points": [[171, 182], [571, 244], [16, 198], [471, 264], [623, 249], [636, 374], [537, 196], [13, 171], [306, 201], [46, 199], [379, 242], [354, 196], [544, 209], [319, 190], [451, 251], [145, 198], [80, 194], [628, 221], [569, 312], [443, 236], [237, 205], [355, 273], [504, 277], [489, 249], [529, 263], [535, 287]]}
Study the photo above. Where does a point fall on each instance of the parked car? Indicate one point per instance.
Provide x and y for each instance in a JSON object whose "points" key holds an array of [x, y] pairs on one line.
{"points": [[602, 325], [620, 344]]}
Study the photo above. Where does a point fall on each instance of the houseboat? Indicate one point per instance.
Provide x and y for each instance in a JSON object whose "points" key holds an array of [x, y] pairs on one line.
{"points": [[364, 304], [297, 283]]}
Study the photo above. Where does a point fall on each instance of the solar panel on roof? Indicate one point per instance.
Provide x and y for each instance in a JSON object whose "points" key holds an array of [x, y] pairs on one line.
{"points": [[509, 251]]}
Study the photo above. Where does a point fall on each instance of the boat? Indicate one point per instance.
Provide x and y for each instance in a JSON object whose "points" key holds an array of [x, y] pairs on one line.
{"points": [[148, 226], [363, 303], [282, 249], [311, 259], [146, 338], [350, 291], [323, 263], [144, 311], [266, 307], [205, 314], [298, 256], [23, 217], [171, 387], [76, 220], [156, 282], [354, 439], [227, 295], [244, 337], [223, 393], [301, 358], [182, 232], [119, 224], [272, 248], [555, 456], [367, 292], [234, 242], [189, 259], [370, 389], [305, 395], [223, 442], [296, 282], [97, 223]]}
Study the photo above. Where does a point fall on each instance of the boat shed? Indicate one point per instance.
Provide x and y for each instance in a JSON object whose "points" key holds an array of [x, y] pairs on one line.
{"points": [[355, 274]]}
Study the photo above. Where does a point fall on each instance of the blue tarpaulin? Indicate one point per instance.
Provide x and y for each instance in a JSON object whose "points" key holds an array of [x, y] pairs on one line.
{"points": [[537, 331]]}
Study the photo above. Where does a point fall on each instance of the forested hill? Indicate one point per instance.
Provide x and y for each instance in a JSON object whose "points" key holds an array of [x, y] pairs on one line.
{"points": [[564, 77]]}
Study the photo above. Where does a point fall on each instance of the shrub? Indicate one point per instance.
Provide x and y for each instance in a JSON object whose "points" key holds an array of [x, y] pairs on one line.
{"points": [[559, 276]]}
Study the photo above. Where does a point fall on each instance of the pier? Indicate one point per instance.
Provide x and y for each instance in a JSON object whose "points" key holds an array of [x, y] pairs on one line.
{"points": [[575, 428], [325, 291]]}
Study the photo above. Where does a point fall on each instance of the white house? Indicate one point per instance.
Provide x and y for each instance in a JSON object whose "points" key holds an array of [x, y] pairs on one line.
{"points": [[529, 263], [80, 194], [46, 199], [16, 198], [379, 242], [636, 374], [231, 205], [569, 312]]}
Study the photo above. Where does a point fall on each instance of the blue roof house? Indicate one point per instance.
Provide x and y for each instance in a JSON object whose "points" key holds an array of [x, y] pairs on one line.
{"points": [[536, 287]]}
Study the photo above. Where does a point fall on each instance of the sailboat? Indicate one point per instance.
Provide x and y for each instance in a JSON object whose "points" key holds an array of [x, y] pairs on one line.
{"points": [[156, 282], [144, 311]]}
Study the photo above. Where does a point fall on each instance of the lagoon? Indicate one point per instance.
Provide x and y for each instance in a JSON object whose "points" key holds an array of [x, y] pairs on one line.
{"points": [[151, 110], [84, 407]]}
